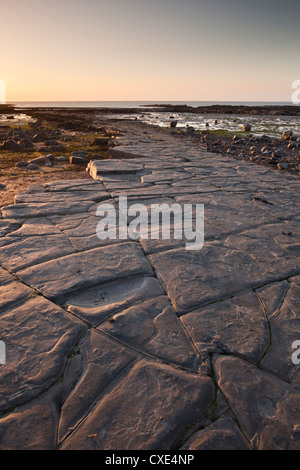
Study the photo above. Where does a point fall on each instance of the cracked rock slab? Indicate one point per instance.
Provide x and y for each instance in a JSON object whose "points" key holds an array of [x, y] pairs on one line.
{"points": [[152, 327], [235, 326], [58, 278], [97, 167], [27, 210], [98, 303], [285, 329], [12, 293], [224, 434], [38, 336], [5, 277], [195, 278], [55, 197], [162, 401], [220, 270], [102, 362], [7, 226], [19, 252], [34, 424], [266, 408]]}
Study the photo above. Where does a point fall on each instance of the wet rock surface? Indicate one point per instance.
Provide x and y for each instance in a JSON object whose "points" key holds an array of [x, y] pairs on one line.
{"points": [[141, 344]]}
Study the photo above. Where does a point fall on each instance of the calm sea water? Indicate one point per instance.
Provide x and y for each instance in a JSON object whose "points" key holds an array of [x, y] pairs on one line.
{"points": [[273, 125], [135, 104]]}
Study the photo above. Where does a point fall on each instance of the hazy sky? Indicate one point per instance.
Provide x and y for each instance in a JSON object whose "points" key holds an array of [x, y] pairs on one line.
{"points": [[183, 50]]}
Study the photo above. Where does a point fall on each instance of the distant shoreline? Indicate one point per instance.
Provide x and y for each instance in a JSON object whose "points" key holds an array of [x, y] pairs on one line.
{"points": [[238, 109]]}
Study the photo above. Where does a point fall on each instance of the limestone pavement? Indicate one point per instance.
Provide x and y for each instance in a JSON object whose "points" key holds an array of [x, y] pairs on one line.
{"points": [[122, 344]]}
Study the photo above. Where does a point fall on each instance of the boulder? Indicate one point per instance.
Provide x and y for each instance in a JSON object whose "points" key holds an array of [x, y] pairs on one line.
{"points": [[22, 164], [283, 166], [39, 137], [74, 160], [246, 127], [32, 166], [10, 145], [287, 135], [39, 161]]}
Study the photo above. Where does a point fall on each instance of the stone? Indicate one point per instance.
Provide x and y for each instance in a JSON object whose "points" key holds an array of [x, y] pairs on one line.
{"points": [[35, 361], [195, 278], [283, 166], [173, 123], [97, 168], [22, 164], [27, 142], [13, 292], [101, 362], [10, 145], [287, 135], [57, 279], [76, 160], [40, 415], [152, 327], [7, 226], [17, 252], [41, 160], [80, 153], [32, 166], [223, 434], [284, 329], [266, 408], [100, 302], [51, 142], [39, 137], [236, 326], [166, 400], [45, 208], [101, 142], [246, 127]]}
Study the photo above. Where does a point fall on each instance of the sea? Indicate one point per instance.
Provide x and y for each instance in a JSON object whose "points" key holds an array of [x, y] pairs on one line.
{"points": [[268, 124]]}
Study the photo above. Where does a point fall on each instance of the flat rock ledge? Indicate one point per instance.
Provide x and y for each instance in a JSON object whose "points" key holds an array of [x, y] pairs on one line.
{"points": [[141, 344]]}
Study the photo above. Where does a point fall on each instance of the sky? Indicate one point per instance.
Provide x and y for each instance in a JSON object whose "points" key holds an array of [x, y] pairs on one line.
{"points": [[151, 50]]}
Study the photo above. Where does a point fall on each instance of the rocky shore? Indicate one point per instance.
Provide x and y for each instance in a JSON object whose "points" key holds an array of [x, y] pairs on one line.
{"points": [[283, 152], [58, 143], [142, 344]]}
